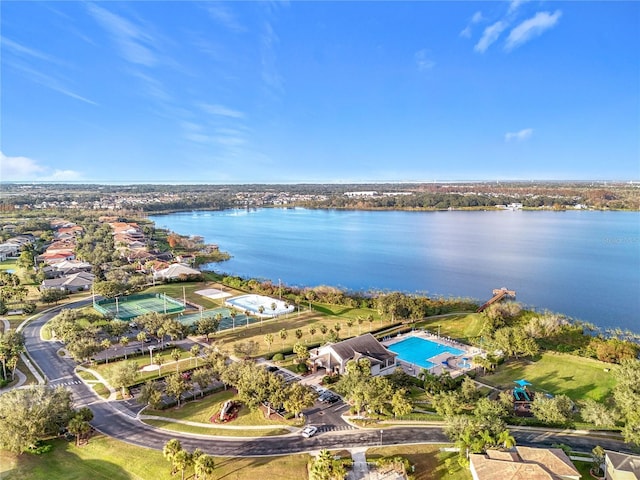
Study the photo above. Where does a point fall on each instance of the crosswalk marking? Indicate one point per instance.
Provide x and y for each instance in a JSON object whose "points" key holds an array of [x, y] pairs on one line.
{"points": [[332, 428], [73, 382]]}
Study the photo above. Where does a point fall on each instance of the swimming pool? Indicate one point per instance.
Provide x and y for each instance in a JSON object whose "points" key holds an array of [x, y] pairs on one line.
{"points": [[418, 350], [259, 305]]}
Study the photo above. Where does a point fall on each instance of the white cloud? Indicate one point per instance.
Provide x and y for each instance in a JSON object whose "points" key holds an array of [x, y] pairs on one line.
{"points": [[23, 51], [268, 56], [489, 36], [133, 42], [221, 14], [62, 176], [523, 134], [515, 4], [17, 169], [477, 18], [423, 61], [221, 110], [532, 28]]}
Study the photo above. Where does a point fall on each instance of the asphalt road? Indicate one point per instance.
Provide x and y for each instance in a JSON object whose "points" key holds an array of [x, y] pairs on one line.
{"points": [[117, 419]]}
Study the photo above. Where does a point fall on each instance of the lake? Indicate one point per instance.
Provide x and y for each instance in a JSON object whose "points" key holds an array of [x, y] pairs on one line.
{"points": [[585, 264]]}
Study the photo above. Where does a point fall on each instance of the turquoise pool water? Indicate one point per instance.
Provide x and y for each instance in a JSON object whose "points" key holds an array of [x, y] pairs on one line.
{"points": [[418, 350]]}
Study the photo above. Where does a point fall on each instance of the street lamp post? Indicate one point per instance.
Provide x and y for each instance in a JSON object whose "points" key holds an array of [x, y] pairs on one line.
{"points": [[381, 437], [151, 354]]}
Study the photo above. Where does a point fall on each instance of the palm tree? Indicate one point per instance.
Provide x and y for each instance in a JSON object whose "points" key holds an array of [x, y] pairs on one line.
{"points": [[182, 460], [323, 330], [261, 311], [160, 333], [159, 361], [124, 341], [312, 331], [298, 334], [195, 350], [79, 427], [170, 450], [106, 343], [283, 336], [268, 338], [360, 322], [349, 325], [175, 354], [370, 320], [141, 337], [233, 319], [506, 439], [204, 466]]}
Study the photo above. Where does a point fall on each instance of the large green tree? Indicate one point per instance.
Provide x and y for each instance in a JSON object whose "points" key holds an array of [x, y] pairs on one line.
{"points": [[30, 414], [626, 394], [122, 375]]}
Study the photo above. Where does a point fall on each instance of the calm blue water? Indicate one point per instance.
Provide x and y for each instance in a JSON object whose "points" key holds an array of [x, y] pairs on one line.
{"points": [[584, 264], [419, 350]]}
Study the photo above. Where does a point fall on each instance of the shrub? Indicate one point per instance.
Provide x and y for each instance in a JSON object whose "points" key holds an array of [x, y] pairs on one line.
{"points": [[29, 308], [302, 368], [277, 357], [39, 448]]}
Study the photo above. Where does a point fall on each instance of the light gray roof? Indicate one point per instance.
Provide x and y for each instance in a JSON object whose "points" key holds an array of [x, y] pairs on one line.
{"points": [[75, 280], [177, 269], [624, 462]]}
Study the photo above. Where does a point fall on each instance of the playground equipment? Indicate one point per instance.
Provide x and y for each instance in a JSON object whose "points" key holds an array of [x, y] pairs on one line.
{"points": [[521, 395]]}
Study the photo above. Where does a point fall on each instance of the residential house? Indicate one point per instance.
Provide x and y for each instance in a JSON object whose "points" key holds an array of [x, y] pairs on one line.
{"points": [[523, 463], [76, 282], [334, 356], [55, 257], [176, 271], [9, 250], [621, 466]]}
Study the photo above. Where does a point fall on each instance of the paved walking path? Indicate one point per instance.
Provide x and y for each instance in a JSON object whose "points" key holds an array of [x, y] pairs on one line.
{"points": [[113, 394], [360, 470]]}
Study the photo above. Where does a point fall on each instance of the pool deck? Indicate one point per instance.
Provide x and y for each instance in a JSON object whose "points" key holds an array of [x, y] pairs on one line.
{"points": [[443, 362]]}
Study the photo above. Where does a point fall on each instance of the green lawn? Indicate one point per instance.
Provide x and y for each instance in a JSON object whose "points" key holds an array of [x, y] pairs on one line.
{"points": [[168, 367], [577, 377], [429, 461], [223, 432], [462, 327], [108, 459], [201, 411]]}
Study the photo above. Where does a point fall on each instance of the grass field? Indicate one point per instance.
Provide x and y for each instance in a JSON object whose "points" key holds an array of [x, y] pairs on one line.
{"points": [[429, 461], [181, 427], [577, 377], [461, 327], [202, 410], [108, 459]]}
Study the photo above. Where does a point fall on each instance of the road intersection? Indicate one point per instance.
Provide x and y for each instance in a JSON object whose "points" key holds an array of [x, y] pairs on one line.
{"points": [[119, 419]]}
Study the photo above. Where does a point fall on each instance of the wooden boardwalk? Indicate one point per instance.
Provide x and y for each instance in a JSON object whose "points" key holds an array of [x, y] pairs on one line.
{"points": [[498, 294]]}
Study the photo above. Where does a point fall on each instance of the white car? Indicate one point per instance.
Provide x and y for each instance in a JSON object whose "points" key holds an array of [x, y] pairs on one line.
{"points": [[309, 431]]}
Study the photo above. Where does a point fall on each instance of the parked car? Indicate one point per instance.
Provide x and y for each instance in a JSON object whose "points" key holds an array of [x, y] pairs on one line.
{"points": [[309, 431], [331, 398]]}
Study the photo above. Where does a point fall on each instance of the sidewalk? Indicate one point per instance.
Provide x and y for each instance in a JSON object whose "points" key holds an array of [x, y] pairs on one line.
{"points": [[100, 379]]}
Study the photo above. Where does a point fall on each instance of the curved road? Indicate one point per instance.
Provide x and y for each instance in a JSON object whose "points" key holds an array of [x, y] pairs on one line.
{"points": [[118, 421]]}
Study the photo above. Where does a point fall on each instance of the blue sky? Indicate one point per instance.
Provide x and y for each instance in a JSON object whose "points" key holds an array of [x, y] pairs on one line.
{"points": [[247, 92]]}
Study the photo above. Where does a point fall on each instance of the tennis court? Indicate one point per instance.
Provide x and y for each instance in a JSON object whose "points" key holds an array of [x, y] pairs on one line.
{"points": [[226, 320], [132, 306]]}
